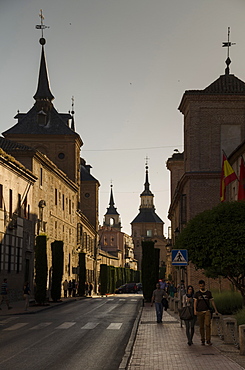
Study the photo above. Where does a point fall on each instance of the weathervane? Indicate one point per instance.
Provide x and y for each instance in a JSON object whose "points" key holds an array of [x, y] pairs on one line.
{"points": [[228, 44], [146, 161], [72, 105], [41, 27]]}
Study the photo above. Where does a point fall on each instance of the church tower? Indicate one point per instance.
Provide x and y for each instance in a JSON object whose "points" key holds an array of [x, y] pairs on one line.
{"points": [[112, 217], [46, 130], [147, 225]]}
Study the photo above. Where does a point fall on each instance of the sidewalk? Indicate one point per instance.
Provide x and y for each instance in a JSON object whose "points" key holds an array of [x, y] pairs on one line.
{"points": [[164, 347], [18, 307]]}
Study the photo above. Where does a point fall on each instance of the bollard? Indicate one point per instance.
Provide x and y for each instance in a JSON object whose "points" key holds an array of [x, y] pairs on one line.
{"points": [[171, 303], [242, 339], [230, 330], [218, 326], [176, 305]]}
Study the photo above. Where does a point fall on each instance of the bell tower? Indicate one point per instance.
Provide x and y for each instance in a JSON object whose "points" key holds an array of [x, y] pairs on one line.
{"points": [[112, 217]]}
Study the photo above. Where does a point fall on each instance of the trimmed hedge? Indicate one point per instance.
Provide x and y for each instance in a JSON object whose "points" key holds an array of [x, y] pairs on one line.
{"points": [[57, 266], [41, 268], [82, 274], [112, 277], [150, 268]]}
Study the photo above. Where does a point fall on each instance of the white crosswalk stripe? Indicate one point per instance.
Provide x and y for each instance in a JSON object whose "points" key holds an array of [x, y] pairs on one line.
{"points": [[17, 326], [66, 325], [90, 325], [6, 321], [115, 325], [122, 299], [41, 325]]}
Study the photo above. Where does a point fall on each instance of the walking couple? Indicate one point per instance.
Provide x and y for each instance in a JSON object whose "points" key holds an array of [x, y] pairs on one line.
{"points": [[199, 303]]}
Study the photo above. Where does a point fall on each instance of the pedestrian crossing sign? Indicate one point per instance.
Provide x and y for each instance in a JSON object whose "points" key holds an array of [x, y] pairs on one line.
{"points": [[179, 257]]}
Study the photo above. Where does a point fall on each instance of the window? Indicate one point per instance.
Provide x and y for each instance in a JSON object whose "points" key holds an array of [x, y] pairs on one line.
{"points": [[41, 177], [1, 196], [148, 233], [10, 202], [19, 205], [56, 197], [63, 202]]}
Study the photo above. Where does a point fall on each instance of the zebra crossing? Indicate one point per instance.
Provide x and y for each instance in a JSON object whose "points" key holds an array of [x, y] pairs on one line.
{"points": [[63, 326]]}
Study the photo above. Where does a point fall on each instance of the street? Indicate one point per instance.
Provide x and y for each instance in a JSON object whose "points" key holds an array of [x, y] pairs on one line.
{"points": [[86, 334]]}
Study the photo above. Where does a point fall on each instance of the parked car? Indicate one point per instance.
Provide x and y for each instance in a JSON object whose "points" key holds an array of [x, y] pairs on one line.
{"points": [[127, 288]]}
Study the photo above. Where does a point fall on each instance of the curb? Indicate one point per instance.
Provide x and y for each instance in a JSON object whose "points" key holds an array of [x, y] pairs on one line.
{"points": [[129, 348]]}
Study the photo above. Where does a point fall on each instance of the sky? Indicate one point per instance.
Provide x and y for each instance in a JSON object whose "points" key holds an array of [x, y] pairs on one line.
{"points": [[127, 63]]}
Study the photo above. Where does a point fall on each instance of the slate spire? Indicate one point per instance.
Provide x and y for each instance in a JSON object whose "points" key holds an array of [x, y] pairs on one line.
{"points": [[43, 89]]}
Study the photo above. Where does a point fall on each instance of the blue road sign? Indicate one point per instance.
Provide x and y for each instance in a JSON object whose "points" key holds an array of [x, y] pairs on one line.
{"points": [[179, 257]]}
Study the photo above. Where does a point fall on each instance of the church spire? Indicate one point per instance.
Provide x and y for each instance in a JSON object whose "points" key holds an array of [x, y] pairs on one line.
{"points": [[112, 217], [146, 195], [43, 93], [112, 209]]}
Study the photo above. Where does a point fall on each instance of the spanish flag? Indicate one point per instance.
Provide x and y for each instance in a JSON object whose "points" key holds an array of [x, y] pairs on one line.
{"points": [[241, 187], [227, 176]]}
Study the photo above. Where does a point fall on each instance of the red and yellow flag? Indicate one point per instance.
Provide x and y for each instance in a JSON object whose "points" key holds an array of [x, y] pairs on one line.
{"points": [[241, 186], [227, 176]]}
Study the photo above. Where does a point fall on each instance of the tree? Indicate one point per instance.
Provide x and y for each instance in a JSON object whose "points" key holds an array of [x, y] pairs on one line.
{"points": [[41, 268], [57, 269], [82, 274], [149, 268], [215, 240]]}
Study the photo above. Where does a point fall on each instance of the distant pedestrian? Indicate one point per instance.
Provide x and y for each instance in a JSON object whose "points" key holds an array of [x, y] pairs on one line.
{"points": [[27, 293], [157, 296], [74, 288], [65, 287], [70, 288], [188, 300], [90, 289], [171, 289], [86, 289], [4, 293], [181, 290], [202, 309], [163, 284]]}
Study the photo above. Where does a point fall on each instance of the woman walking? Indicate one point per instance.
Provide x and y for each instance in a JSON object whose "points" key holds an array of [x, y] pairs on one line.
{"points": [[188, 300]]}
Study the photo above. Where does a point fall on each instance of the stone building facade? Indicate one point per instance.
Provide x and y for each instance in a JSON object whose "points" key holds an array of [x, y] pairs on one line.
{"points": [[46, 144], [16, 224]]}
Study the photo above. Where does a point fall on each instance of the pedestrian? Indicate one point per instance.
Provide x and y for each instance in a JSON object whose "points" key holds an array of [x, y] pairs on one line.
{"points": [[181, 290], [202, 309], [90, 289], [74, 288], [171, 289], [188, 300], [27, 293], [65, 287], [4, 293], [157, 296], [163, 284], [69, 288], [86, 289]]}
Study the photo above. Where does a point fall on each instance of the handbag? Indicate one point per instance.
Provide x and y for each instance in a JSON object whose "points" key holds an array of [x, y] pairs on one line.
{"points": [[186, 313], [165, 304]]}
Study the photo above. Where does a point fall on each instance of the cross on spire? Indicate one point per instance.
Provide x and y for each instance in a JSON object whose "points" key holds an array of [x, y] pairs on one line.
{"points": [[227, 44], [41, 27]]}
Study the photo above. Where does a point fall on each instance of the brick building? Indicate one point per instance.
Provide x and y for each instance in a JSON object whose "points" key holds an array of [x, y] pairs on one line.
{"points": [[214, 120]]}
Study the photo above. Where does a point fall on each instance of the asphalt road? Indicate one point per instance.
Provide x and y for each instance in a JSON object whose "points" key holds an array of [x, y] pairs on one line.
{"points": [[87, 334]]}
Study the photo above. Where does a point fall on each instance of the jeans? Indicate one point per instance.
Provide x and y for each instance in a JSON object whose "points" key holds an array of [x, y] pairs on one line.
{"points": [[204, 319], [190, 328], [159, 311]]}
